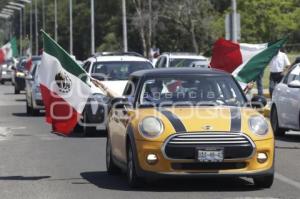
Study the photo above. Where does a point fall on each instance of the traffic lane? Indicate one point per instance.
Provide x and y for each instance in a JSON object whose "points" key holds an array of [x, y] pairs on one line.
{"points": [[39, 164], [288, 155]]}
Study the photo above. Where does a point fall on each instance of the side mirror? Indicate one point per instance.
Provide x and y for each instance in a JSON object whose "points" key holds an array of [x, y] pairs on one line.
{"points": [[29, 77], [294, 84], [258, 102], [98, 77], [120, 102]]}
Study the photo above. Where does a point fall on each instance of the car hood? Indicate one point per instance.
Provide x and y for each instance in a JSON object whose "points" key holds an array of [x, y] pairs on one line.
{"points": [[202, 119]]}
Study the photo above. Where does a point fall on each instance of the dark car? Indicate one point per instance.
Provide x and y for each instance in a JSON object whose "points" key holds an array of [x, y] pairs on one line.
{"points": [[19, 75]]}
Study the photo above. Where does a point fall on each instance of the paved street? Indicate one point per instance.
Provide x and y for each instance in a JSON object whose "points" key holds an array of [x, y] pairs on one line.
{"points": [[38, 164]]}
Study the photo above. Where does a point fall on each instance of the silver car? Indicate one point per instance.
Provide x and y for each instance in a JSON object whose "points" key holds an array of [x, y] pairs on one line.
{"points": [[6, 71], [34, 101], [285, 110]]}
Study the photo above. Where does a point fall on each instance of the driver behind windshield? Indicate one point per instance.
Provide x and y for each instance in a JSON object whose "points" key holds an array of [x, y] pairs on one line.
{"points": [[153, 91]]}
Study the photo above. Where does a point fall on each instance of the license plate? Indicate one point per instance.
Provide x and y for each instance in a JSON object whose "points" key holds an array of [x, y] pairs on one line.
{"points": [[210, 155], [4, 72]]}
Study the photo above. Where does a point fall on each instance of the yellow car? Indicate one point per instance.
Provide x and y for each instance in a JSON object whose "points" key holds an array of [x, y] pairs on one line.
{"points": [[188, 122]]}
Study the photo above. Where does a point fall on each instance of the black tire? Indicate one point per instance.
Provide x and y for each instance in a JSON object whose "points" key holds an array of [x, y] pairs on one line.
{"points": [[264, 181], [86, 130], [2, 81], [17, 91], [28, 108], [133, 180], [278, 131], [111, 167], [35, 112]]}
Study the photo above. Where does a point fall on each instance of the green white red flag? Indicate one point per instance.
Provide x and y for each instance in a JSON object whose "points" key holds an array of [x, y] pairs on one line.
{"points": [[244, 61], [9, 50], [65, 87]]}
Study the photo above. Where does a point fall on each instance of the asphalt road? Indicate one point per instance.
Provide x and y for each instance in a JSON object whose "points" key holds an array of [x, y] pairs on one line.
{"points": [[35, 163]]}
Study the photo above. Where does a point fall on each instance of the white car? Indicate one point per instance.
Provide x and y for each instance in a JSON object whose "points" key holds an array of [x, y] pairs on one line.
{"points": [[285, 110], [113, 69], [34, 101], [176, 60], [6, 70]]}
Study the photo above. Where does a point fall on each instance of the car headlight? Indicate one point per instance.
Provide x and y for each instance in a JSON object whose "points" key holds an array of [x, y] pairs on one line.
{"points": [[258, 125], [20, 74], [151, 127]]}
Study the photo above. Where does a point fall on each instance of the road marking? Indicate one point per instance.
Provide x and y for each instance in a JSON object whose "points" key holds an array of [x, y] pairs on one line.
{"points": [[11, 104], [287, 180], [4, 132], [18, 128]]}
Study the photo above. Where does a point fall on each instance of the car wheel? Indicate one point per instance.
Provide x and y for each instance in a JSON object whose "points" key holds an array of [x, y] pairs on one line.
{"points": [[133, 180], [264, 181], [86, 130], [17, 91], [110, 165], [35, 112], [2, 82], [28, 108], [275, 124]]}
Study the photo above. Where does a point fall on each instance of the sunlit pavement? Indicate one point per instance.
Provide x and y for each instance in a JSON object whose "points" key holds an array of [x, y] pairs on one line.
{"points": [[36, 163]]}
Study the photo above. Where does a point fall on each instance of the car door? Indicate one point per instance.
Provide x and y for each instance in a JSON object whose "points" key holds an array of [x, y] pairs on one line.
{"points": [[283, 98], [119, 121], [293, 99], [29, 80]]}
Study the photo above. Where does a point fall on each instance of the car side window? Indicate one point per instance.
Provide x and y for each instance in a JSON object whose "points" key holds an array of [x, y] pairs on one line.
{"points": [[292, 75], [161, 63], [158, 62], [86, 66], [131, 87]]}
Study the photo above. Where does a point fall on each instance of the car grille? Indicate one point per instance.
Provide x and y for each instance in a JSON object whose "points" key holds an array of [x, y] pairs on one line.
{"points": [[208, 166], [185, 145]]}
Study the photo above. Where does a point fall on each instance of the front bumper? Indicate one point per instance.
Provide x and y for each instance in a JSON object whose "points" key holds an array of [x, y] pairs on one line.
{"points": [[165, 168]]}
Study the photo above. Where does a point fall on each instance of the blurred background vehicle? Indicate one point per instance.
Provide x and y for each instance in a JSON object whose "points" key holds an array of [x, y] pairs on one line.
{"points": [[6, 70], [34, 101], [19, 75], [113, 69], [176, 60], [285, 110]]}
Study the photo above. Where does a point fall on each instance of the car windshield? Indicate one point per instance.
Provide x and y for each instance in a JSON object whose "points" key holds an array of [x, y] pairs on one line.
{"points": [[194, 89], [119, 70], [181, 62]]}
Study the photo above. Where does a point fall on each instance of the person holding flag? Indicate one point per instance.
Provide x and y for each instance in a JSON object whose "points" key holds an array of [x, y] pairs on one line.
{"points": [[9, 50], [65, 87], [277, 67], [245, 61]]}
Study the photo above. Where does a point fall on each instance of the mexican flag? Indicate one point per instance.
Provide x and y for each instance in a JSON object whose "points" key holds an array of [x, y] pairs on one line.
{"points": [[244, 61], [64, 86], [9, 50]]}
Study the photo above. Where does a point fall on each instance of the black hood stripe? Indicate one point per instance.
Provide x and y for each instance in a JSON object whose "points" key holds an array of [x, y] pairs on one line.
{"points": [[175, 121], [235, 114]]}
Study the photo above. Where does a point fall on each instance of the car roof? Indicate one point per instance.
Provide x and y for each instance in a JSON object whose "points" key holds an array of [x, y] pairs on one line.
{"points": [[157, 72], [185, 56], [117, 58]]}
